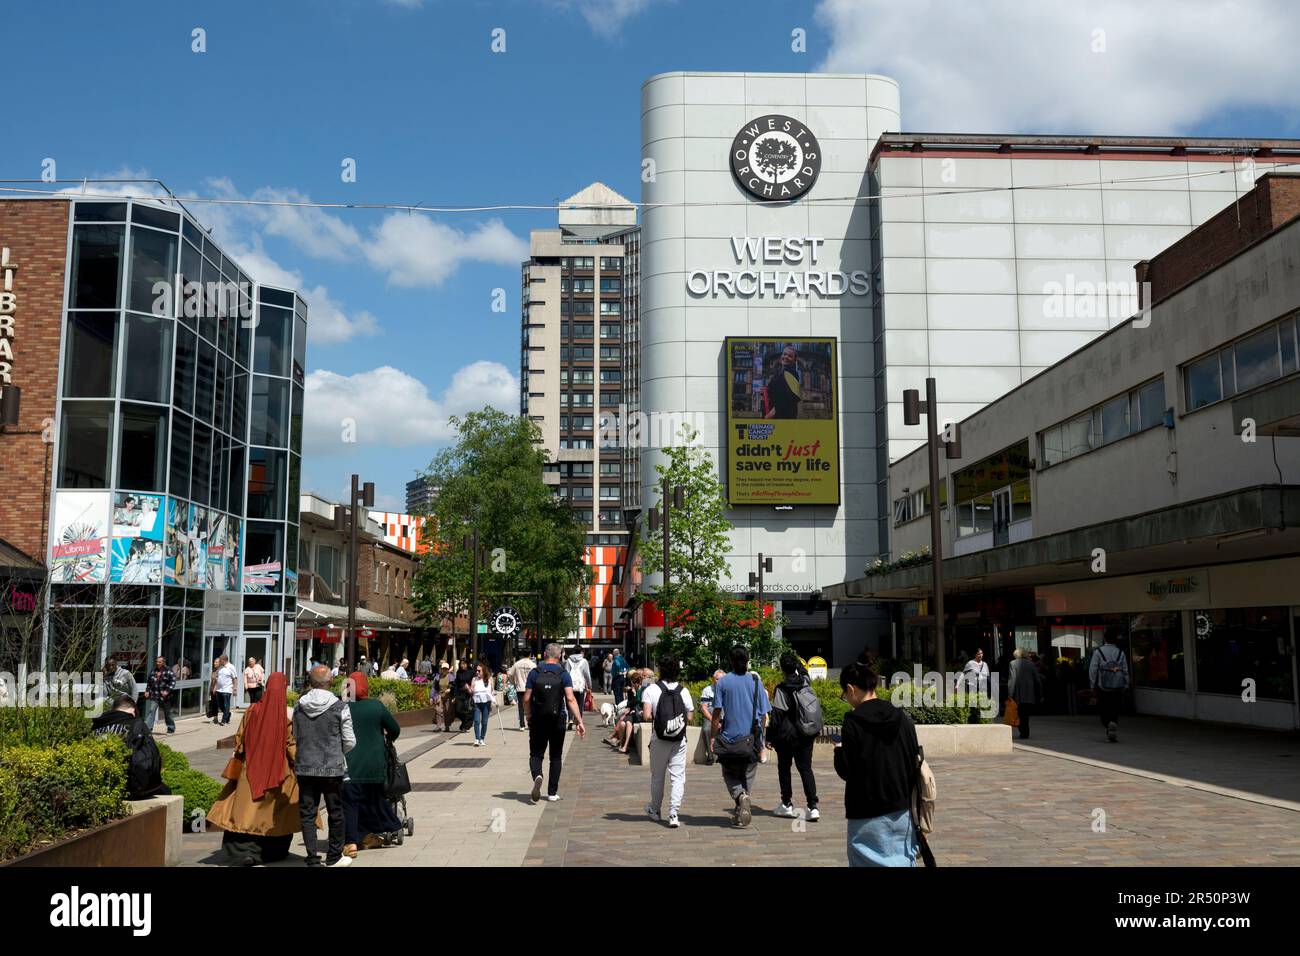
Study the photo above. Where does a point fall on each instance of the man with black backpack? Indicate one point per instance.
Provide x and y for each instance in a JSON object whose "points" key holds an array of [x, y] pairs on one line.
{"points": [[796, 723], [667, 706], [1108, 676], [144, 761], [548, 696], [739, 705]]}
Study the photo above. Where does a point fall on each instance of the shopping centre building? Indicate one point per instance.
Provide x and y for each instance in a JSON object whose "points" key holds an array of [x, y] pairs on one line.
{"points": [[803, 262], [151, 475], [1147, 485]]}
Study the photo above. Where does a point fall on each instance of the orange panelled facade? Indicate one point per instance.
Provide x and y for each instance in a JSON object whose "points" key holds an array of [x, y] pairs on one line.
{"points": [[605, 598], [403, 531]]}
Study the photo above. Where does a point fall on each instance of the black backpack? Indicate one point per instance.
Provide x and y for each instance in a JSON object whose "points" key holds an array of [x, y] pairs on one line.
{"points": [[144, 769], [670, 713], [548, 693]]}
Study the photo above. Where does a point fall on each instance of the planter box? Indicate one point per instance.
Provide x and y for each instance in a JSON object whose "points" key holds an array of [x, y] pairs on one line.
{"points": [[149, 836], [953, 740], [638, 752]]}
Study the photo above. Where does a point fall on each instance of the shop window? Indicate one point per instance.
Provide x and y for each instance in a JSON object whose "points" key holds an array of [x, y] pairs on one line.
{"points": [[184, 374], [1235, 645], [1156, 650], [97, 267], [153, 261], [89, 369], [269, 418], [147, 371], [267, 483], [201, 473], [142, 448], [85, 438], [264, 544]]}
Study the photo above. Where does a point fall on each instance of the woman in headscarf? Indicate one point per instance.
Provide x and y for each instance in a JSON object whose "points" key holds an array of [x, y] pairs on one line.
{"points": [[258, 809], [368, 817]]}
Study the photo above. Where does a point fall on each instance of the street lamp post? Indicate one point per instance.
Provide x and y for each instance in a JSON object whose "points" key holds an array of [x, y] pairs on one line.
{"points": [[658, 518], [764, 564], [361, 496], [913, 407], [478, 556]]}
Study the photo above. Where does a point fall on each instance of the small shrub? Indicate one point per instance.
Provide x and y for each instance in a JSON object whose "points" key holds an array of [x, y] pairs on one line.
{"points": [[42, 726], [48, 792], [199, 790], [172, 759]]}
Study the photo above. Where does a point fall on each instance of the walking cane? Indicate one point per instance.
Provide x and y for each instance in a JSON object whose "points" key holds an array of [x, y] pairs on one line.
{"points": [[501, 723]]}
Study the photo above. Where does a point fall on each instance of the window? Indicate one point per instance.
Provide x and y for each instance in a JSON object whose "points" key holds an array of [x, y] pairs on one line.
{"points": [[205, 379], [153, 260], [267, 481], [263, 544], [610, 284], [271, 348], [610, 264], [182, 436], [270, 413], [97, 267], [142, 449], [608, 331], [85, 437], [580, 492], [580, 353], [1148, 405], [583, 376], [148, 369], [611, 467], [1257, 359], [1110, 421], [1156, 650], [611, 375], [610, 352], [201, 469], [610, 493], [90, 364], [584, 285], [611, 398], [1240, 643], [610, 307], [1135, 411], [1252, 361], [184, 373]]}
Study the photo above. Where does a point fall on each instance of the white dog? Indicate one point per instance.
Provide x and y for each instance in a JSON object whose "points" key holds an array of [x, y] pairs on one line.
{"points": [[607, 714]]}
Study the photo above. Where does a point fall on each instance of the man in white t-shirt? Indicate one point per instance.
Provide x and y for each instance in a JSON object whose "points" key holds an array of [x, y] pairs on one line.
{"points": [[225, 687], [667, 755], [518, 675]]}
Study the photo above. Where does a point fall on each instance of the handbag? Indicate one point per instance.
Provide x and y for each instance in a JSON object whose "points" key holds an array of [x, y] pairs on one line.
{"points": [[234, 768], [588, 702], [1011, 714], [744, 748], [399, 780]]}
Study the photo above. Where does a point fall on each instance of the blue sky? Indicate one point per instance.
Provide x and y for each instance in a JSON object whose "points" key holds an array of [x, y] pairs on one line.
{"points": [[403, 331]]}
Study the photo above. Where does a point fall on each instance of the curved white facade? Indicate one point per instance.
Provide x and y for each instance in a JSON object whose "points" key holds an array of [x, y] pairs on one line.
{"points": [[688, 122]]}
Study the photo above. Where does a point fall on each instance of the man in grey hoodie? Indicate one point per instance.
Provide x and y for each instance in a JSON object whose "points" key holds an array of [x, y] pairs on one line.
{"points": [[580, 674], [322, 727]]}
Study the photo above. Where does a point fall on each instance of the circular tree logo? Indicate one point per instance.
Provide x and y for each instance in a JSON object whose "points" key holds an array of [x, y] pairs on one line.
{"points": [[505, 621], [775, 157]]}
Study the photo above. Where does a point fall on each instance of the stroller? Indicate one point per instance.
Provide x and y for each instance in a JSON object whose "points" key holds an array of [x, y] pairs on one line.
{"points": [[398, 786]]}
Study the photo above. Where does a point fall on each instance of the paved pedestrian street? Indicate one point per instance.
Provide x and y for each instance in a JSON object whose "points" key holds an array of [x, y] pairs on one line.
{"points": [[1061, 802]]}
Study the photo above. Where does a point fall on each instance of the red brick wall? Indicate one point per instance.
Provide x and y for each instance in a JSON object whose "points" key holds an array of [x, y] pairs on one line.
{"points": [[1275, 199], [36, 234], [401, 570]]}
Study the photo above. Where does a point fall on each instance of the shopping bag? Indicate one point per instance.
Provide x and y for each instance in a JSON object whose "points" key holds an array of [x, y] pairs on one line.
{"points": [[1011, 714]]}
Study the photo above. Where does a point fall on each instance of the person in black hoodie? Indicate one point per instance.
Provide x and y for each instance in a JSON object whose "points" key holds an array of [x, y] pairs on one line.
{"points": [[791, 744], [877, 759]]}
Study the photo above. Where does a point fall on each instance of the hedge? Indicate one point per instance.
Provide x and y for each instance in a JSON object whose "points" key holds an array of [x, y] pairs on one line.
{"points": [[406, 695], [49, 792], [835, 710], [42, 726]]}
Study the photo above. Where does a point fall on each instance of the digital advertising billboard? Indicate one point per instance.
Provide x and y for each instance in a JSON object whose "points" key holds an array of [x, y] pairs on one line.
{"points": [[783, 443]]}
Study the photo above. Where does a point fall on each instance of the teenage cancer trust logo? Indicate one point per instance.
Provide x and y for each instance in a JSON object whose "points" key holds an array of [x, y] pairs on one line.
{"points": [[775, 158]]}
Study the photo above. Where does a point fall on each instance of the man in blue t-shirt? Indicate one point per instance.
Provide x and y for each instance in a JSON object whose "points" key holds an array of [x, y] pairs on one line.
{"points": [[739, 705], [548, 695]]}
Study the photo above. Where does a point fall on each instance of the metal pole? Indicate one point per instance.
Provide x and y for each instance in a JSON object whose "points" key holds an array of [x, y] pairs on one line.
{"points": [[760, 587], [936, 530], [667, 508], [473, 599], [350, 642]]}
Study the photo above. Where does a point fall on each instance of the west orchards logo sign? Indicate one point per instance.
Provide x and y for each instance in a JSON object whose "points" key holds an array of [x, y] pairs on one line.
{"points": [[775, 158]]}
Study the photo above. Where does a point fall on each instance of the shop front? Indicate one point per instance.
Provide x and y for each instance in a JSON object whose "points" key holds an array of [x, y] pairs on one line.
{"points": [[1210, 643]]}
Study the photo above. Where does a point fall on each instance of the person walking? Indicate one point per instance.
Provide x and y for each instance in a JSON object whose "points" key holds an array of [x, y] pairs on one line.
{"points": [[1025, 687], [580, 674], [402, 672], [119, 682], [607, 669], [1108, 677], [706, 716], [793, 742], [254, 680], [158, 694], [739, 705], [464, 700], [322, 726], [666, 705], [547, 697], [443, 709], [368, 817], [878, 758], [258, 807], [975, 678], [483, 694], [518, 675], [224, 686], [618, 669]]}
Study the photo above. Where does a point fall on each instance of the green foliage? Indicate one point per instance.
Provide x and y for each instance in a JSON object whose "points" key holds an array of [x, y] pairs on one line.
{"points": [[199, 790], [42, 726], [698, 544], [908, 559], [703, 624], [491, 479], [172, 759], [48, 792]]}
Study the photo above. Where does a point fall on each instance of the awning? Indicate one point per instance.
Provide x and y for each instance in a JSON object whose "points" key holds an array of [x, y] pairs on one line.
{"points": [[313, 612]]}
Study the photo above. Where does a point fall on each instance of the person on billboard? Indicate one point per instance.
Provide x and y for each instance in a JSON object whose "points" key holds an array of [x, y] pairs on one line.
{"points": [[785, 387]]}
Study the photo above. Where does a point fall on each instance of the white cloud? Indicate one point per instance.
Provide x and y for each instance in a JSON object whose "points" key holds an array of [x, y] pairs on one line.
{"points": [[606, 17], [390, 408], [1003, 66], [418, 251]]}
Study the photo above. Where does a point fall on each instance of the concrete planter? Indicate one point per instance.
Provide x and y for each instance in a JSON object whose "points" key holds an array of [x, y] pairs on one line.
{"points": [[952, 740], [150, 835]]}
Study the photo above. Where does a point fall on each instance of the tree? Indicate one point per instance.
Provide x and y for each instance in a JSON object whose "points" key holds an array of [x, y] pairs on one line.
{"points": [[491, 479], [702, 622]]}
